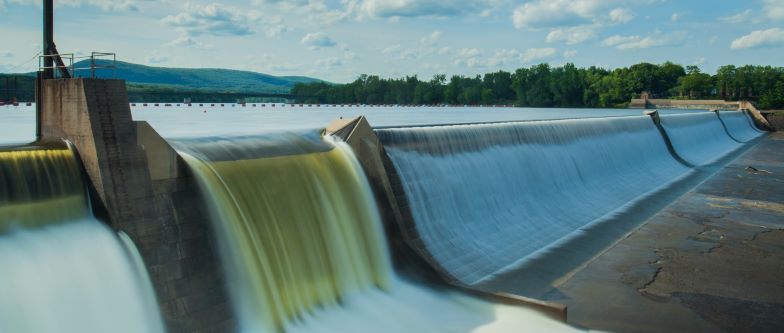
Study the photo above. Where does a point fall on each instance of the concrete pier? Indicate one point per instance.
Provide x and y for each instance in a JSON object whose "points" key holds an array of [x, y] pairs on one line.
{"points": [[147, 192]]}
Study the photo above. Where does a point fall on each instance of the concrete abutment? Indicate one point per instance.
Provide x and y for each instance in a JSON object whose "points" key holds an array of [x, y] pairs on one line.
{"points": [[148, 193]]}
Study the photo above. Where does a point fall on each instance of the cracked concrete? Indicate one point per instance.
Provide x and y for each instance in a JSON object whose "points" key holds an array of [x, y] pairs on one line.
{"points": [[712, 261]]}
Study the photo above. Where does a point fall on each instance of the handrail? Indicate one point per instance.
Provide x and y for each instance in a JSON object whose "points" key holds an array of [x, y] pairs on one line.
{"points": [[73, 69], [55, 66]]}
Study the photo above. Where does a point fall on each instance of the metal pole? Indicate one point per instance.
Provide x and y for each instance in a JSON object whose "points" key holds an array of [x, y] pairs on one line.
{"points": [[38, 105], [48, 39]]}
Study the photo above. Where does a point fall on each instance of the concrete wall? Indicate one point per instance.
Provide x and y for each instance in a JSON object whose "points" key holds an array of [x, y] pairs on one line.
{"points": [[692, 104], [148, 193], [775, 120]]}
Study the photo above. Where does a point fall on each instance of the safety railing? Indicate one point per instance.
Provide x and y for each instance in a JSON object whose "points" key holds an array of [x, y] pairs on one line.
{"points": [[97, 61], [57, 67]]}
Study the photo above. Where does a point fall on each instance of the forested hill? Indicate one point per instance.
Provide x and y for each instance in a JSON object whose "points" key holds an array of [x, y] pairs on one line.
{"points": [[185, 79], [214, 79], [566, 86]]}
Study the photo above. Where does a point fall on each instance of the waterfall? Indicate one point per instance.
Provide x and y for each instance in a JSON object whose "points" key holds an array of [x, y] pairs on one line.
{"points": [[699, 138], [63, 271], [739, 125], [39, 186], [302, 240], [488, 198]]}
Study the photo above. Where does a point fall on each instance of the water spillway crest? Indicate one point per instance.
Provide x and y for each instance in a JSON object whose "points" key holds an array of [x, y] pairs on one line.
{"points": [[303, 244], [739, 125], [63, 271], [488, 198], [699, 138]]}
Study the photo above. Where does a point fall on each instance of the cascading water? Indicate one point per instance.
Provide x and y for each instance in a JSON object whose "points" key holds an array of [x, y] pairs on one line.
{"points": [[489, 198], [63, 271], [304, 248], [39, 186], [739, 125], [699, 138]]}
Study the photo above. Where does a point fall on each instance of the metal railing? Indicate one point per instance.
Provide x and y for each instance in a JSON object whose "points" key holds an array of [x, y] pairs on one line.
{"points": [[95, 63], [56, 68], [98, 61]]}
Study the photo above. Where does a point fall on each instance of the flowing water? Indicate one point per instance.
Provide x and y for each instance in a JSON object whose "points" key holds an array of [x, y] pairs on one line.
{"points": [[700, 139], [305, 250], [63, 271], [297, 224], [487, 198], [739, 125]]}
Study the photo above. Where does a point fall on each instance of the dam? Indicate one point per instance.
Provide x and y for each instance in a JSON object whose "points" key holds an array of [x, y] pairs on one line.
{"points": [[115, 218], [475, 227]]}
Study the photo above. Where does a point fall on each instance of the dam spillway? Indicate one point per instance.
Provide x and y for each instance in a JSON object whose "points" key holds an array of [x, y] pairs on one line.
{"points": [[304, 247], [739, 126], [486, 197], [700, 139], [304, 244], [63, 270]]}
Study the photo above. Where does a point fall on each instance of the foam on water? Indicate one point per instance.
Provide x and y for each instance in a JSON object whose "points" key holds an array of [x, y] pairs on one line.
{"points": [[739, 125], [305, 251], [63, 271], [699, 138], [487, 198], [72, 277]]}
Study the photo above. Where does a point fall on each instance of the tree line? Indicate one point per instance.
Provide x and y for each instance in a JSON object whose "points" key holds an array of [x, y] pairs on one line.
{"points": [[560, 86]]}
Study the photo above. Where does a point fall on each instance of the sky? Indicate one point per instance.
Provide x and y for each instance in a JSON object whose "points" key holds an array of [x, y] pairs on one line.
{"points": [[337, 40]]}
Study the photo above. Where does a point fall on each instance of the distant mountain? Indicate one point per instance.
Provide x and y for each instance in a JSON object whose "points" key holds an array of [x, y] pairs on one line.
{"points": [[210, 79]]}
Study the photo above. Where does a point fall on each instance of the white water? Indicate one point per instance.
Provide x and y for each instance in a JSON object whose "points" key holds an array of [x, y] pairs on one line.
{"points": [[72, 277], [739, 125], [262, 202], [486, 198], [700, 139]]}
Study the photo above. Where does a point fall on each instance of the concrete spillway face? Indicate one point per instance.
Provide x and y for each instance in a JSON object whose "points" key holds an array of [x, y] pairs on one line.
{"points": [[699, 138], [486, 199], [303, 244], [739, 125], [63, 271]]}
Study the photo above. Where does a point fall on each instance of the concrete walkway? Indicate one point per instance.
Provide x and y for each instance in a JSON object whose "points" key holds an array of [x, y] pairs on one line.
{"points": [[712, 261]]}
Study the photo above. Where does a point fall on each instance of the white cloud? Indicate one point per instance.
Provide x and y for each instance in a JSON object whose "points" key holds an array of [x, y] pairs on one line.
{"points": [[317, 40], [214, 19], [417, 8], [639, 42], [106, 5], [742, 17], [675, 17], [156, 59], [760, 38], [501, 58], [431, 39], [470, 57], [188, 41], [699, 61], [774, 9], [554, 13], [570, 53], [537, 54], [572, 35], [621, 15], [329, 63], [391, 49]]}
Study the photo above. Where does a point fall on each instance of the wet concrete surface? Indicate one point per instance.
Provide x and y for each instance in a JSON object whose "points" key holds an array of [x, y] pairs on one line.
{"points": [[712, 261]]}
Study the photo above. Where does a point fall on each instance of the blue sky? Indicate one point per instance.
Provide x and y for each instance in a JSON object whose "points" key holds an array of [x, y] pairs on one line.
{"points": [[337, 40]]}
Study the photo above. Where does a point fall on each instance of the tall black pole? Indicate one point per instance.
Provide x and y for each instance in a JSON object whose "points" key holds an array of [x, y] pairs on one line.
{"points": [[48, 39]]}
